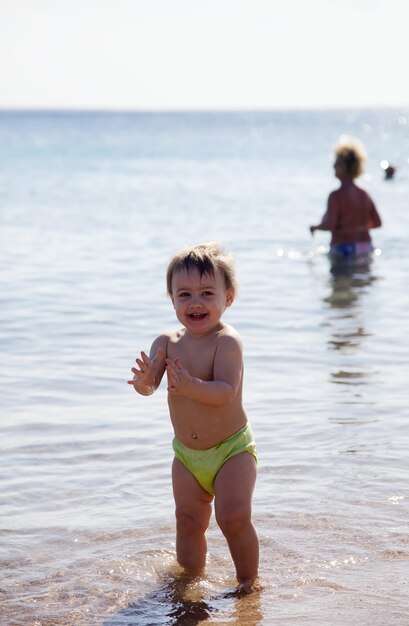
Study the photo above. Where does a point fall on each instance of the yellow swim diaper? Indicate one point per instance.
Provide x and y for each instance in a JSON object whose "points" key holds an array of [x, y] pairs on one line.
{"points": [[205, 464]]}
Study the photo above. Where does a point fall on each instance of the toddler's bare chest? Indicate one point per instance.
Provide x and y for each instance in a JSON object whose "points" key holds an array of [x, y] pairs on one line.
{"points": [[198, 360]]}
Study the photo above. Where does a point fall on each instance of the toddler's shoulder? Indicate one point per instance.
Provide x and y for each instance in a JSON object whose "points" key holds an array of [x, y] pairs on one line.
{"points": [[174, 335], [229, 334]]}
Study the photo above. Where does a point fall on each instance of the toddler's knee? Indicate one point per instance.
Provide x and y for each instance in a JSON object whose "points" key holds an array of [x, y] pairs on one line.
{"points": [[233, 521], [188, 523]]}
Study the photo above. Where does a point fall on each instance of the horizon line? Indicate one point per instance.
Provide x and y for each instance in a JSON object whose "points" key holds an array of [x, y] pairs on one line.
{"points": [[178, 110]]}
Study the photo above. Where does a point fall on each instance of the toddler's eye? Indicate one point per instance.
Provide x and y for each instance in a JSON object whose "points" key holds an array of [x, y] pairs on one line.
{"points": [[207, 293]]}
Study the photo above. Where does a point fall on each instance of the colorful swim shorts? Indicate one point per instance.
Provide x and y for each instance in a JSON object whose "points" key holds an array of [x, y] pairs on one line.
{"points": [[351, 250]]}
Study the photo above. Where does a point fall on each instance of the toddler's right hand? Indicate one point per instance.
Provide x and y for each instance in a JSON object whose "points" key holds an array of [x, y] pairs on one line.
{"points": [[145, 373]]}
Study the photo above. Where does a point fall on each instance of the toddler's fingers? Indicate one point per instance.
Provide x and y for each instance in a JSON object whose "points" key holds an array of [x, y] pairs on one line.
{"points": [[173, 372], [144, 366], [173, 382], [137, 374], [159, 353], [133, 381], [145, 358]]}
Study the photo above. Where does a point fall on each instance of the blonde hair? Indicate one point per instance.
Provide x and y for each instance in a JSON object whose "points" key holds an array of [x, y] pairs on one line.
{"points": [[352, 155], [206, 258]]}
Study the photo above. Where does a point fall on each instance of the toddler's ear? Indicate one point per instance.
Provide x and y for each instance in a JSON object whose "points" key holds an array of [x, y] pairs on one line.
{"points": [[229, 297]]}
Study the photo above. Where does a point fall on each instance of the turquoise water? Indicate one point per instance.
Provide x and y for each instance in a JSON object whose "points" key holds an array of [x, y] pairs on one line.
{"points": [[92, 207]]}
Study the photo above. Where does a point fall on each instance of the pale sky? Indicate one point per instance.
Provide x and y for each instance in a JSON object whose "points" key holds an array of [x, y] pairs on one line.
{"points": [[207, 54]]}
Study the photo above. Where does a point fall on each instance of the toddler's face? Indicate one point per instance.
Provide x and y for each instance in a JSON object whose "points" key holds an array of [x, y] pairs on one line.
{"points": [[199, 301]]}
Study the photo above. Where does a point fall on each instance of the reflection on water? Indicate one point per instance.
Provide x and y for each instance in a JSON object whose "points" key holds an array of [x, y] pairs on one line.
{"points": [[167, 605], [247, 610], [348, 378], [350, 339], [181, 601], [347, 312], [348, 283]]}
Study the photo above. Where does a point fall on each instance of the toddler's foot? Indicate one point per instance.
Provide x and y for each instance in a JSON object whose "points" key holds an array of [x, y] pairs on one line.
{"points": [[249, 586]]}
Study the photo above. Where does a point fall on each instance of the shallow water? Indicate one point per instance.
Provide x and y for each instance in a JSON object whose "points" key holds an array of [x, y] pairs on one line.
{"points": [[92, 207]]}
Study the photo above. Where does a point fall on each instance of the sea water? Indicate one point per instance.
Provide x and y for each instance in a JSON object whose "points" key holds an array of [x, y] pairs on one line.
{"points": [[92, 207]]}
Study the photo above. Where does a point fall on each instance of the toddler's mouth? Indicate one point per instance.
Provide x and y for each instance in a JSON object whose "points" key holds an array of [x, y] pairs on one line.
{"points": [[197, 316]]}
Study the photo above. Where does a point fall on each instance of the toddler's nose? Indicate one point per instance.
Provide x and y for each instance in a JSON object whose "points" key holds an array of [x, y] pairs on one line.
{"points": [[196, 301]]}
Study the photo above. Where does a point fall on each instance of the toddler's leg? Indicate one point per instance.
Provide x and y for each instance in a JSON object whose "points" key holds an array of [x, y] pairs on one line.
{"points": [[193, 510], [234, 487]]}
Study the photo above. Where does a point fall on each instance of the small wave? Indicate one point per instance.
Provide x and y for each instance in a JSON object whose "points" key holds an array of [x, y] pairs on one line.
{"points": [[319, 582]]}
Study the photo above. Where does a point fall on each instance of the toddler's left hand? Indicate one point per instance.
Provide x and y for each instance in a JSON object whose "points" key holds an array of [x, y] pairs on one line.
{"points": [[178, 378]]}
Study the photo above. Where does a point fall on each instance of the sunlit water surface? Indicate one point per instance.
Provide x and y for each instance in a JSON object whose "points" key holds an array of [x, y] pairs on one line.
{"points": [[92, 207]]}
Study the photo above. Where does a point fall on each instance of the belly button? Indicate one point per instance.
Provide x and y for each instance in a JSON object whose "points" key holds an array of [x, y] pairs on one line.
{"points": [[194, 436]]}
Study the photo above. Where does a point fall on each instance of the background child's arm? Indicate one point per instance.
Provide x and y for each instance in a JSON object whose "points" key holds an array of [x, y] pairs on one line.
{"points": [[374, 217], [227, 371], [330, 218], [149, 373]]}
